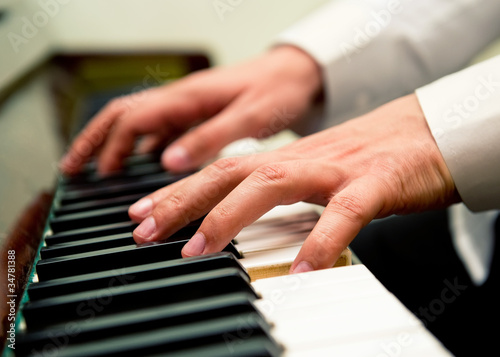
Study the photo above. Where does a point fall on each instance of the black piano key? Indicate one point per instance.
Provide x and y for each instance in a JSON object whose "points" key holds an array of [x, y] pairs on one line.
{"points": [[167, 315], [93, 218], [106, 242], [132, 275], [242, 347], [174, 339], [88, 304], [114, 258], [110, 229], [89, 245], [97, 204], [141, 184], [90, 232], [90, 168], [127, 174]]}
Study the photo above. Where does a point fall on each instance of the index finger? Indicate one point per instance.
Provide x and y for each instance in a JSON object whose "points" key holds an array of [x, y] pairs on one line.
{"points": [[91, 138], [270, 185]]}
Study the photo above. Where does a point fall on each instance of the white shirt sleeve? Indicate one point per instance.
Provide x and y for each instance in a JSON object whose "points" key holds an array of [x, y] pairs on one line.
{"points": [[463, 113], [373, 51]]}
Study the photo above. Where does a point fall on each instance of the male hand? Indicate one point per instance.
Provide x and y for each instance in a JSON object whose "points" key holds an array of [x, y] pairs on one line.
{"points": [[207, 110], [382, 163]]}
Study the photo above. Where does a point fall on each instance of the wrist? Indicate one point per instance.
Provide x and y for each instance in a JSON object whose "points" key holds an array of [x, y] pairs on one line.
{"points": [[300, 67]]}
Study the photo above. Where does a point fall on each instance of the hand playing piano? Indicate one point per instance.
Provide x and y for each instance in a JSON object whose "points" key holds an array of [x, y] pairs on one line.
{"points": [[204, 111], [382, 163]]}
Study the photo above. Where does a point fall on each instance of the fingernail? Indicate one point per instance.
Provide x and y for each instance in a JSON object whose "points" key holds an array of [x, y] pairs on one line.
{"points": [[302, 267], [176, 158], [195, 246], [142, 208], [146, 229]]}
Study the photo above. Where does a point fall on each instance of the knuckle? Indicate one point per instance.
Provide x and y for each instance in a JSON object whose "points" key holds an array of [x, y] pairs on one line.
{"points": [[173, 209], [176, 201], [225, 166], [350, 206], [327, 243], [219, 215], [221, 223], [271, 173]]}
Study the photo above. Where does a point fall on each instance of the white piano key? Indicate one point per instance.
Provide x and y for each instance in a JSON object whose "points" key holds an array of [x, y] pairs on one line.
{"points": [[289, 210], [273, 242], [269, 257], [320, 277], [262, 231], [341, 310], [411, 343]]}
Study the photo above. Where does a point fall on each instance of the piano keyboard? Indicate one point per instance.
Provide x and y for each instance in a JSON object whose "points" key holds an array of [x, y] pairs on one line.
{"points": [[95, 293]]}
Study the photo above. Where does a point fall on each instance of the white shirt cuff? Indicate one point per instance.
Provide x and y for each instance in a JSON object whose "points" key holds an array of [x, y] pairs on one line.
{"points": [[463, 113]]}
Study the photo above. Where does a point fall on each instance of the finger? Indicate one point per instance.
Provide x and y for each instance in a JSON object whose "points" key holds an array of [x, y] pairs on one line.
{"points": [[345, 215], [121, 140], [195, 147], [145, 206], [151, 143], [92, 137], [190, 200], [269, 186]]}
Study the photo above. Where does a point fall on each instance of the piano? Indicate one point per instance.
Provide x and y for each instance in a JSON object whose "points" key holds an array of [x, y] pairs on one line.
{"points": [[93, 292]]}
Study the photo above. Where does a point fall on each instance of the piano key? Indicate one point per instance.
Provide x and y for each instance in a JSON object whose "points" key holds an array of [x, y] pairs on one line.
{"points": [[88, 304], [106, 242], [133, 274], [88, 245], [132, 160], [141, 184], [348, 312], [128, 226], [205, 334], [113, 258], [97, 204], [166, 315], [127, 174], [254, 346], [90, 232], [93, 218]]}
